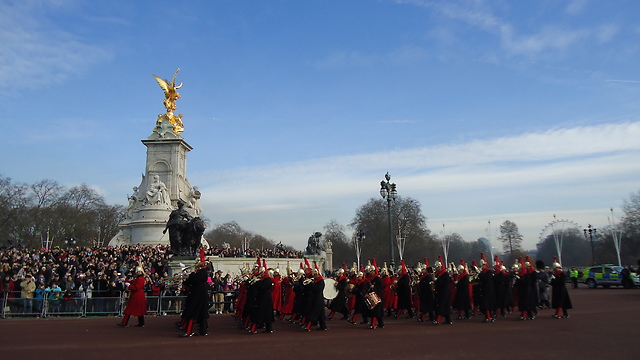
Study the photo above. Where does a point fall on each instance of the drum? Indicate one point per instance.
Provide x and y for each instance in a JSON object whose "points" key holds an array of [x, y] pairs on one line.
{"points": [[348, 290], [330, 291], [372, 299]]}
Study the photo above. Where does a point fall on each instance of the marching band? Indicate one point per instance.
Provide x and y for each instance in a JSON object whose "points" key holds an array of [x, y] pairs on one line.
{"points": [[303, 297]]}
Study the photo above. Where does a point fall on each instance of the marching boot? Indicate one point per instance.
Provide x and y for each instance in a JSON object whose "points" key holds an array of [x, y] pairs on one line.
{"points": [[353, 319], [125, 321], [437, 320], [140, 321], [188, 329], [253, 329], [398, 313], [308, 326], [373, 323], [523, 315], [330, 317]]}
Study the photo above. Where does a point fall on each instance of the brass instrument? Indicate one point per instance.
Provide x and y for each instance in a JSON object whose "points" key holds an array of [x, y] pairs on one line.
{"points": [[452, 268], [179, 278]]}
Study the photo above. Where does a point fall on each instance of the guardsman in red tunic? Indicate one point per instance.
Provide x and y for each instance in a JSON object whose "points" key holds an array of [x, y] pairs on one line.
{"points": [[388, 301], [276, 291], [137, 304], [287, 293]]}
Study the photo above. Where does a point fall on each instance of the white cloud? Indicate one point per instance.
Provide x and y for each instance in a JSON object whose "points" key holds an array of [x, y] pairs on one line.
{"points": [[516, 176], [575, 6], [548, 38], [36, 52]]}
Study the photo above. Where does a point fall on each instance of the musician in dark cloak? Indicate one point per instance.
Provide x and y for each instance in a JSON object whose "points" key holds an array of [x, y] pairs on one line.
{"points": [[339, 303], [442, 294], [298, 297], [526, 302], [533, 282], [425, 290], [197, 304], [250, 301], [502, 286], [315, 315], [360, 290], [376, 313], [403, 288], [487, 292], [560, 299], [262, 315], [462, 299]]}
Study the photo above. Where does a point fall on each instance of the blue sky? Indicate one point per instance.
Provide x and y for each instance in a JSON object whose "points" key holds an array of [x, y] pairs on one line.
{"points": [[481, 110]]}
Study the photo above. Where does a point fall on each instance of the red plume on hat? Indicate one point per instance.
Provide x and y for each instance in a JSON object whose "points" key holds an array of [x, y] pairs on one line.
{"points": [[307, 268], [523, 269], [265, 274], [344, 267], [426, 262], [202, 258], [375, 267], [464, 267], [443, 268], [484, 262], [496, 263], [531, 267], [319, 277], [403, 268]]}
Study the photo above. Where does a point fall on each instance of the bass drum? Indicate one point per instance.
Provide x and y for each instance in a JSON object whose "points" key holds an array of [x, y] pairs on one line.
{"points": [[330, 291]]}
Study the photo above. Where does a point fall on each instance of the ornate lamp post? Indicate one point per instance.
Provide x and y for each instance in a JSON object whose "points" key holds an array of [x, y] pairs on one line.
{"points": [[591, 232], [358, 245], [388, 191]]}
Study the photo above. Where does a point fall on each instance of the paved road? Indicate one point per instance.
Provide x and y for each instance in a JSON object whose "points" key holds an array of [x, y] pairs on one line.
{"points": [[605, 323]]}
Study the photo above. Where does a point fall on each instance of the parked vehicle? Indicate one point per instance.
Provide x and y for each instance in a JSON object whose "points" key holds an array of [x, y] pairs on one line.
{"points": [[606, 275]]}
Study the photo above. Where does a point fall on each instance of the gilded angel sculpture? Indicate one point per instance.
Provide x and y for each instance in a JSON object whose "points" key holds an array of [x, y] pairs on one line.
{"points": [[171, 95]]}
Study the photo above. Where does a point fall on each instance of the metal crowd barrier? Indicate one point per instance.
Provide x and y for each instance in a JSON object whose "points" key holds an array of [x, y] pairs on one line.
{"points": [[12, 305]]}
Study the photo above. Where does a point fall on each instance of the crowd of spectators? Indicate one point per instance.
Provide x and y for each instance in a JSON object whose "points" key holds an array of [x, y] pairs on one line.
{"points": [[64, 280], [277, 252]]}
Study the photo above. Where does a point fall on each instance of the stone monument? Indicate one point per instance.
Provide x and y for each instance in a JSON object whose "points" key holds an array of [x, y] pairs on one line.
{"points": [[164, 182]]}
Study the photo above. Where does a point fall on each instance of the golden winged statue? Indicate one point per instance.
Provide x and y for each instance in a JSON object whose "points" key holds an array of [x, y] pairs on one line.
{"points": [[171, 95]]}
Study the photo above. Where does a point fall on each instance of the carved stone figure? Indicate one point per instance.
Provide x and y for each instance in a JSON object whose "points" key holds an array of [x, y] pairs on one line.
{"points": [[194, 200], [133, 201], [157, 192]]}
